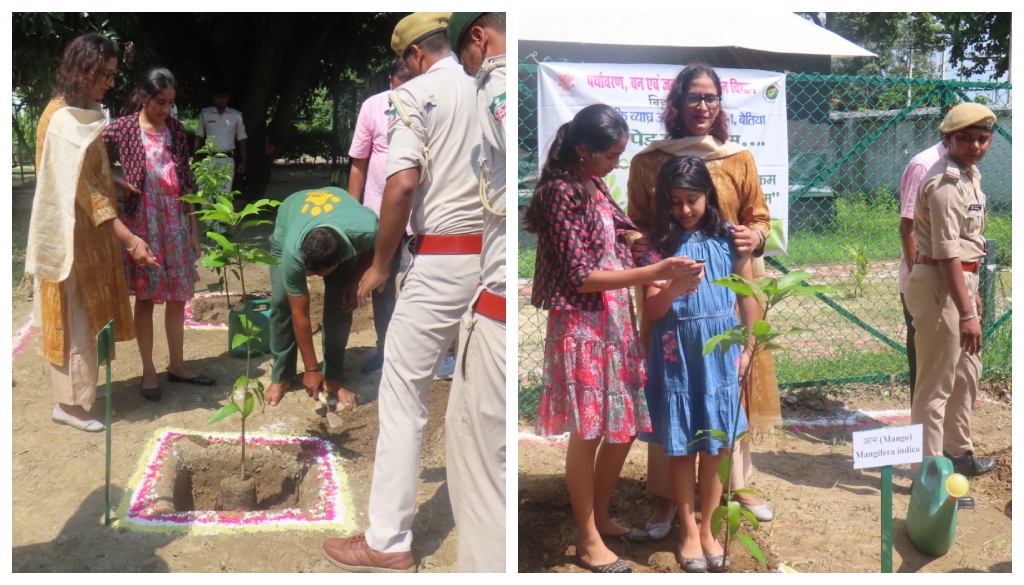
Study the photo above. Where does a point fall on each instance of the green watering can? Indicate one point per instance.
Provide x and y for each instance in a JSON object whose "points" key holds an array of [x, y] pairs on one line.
{"points": [[931, 518]]}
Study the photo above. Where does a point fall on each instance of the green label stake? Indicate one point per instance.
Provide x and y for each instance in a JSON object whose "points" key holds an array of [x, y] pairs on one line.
{"points": [[105, 347], [887, 519]]}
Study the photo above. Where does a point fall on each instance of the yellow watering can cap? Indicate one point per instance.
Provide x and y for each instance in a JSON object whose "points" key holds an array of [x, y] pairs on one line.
{"points": [[957, 485]]}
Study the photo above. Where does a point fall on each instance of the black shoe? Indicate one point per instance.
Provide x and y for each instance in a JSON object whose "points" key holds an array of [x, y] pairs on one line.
{"points": [[971, 466], [374, 364], [199, 380], [965, 503], [151, 394]]}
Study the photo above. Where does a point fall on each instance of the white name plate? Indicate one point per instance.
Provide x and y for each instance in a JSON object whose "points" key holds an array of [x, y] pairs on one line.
{"points": [[887, 446]]}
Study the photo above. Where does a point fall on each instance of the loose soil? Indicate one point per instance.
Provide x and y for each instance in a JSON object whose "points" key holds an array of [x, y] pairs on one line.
{"points": [[192, 472], [65, 533], [827, 515]]}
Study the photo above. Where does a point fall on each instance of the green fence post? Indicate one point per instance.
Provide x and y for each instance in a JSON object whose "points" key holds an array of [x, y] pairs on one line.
{"points": [[105, 347], [887, 519]]}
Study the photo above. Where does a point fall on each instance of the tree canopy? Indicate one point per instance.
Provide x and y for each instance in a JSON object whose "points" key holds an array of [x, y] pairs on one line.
{"points": [[905, 42], [272, 64]]}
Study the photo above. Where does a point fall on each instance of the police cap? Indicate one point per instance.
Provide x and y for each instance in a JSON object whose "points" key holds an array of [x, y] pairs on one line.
{"points": [[965, 115], [416, 27], [459, 26]]}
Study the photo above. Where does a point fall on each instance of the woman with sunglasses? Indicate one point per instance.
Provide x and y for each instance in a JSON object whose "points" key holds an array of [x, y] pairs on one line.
{"points": [[696, 126], [75, 234]]}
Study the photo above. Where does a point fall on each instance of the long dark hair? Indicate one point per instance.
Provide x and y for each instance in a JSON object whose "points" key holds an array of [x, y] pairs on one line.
{"points": [[152, 83], [596, 128], [685, 172], [83, 58], [674, 105]]}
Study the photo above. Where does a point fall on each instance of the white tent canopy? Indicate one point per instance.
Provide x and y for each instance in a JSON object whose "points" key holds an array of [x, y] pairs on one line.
{"points": [[774, 32]]}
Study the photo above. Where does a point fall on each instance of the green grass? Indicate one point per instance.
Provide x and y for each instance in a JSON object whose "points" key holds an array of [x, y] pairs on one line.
{"points": [[873, 223], [20, 286], [527, 260]]}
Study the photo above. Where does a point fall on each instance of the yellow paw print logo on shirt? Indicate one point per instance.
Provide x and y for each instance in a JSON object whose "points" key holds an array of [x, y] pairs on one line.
{"points": [[318, 202]]}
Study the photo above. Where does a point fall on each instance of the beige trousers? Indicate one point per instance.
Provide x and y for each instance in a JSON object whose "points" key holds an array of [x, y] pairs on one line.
{"points": [[475, 434], [435, 295], [947, 377], [75, 382]]}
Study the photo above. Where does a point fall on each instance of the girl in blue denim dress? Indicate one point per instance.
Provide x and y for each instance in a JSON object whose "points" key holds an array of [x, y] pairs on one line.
{"points": [[688, 392]]}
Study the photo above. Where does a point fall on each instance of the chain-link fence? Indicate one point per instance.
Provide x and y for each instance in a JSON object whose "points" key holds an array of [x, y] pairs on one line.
{"points": [[850, 139]]}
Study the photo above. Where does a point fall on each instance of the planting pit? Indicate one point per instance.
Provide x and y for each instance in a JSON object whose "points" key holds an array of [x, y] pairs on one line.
{"points": [[298, 483]]}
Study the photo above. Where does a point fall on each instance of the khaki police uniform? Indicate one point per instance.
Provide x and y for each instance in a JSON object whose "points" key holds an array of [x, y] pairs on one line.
{"points": [[440, 137], [949, 219], [475, 422]]}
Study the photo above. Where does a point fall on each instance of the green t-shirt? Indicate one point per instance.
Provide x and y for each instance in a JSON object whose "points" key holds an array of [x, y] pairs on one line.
{"points": [[325, 207]]}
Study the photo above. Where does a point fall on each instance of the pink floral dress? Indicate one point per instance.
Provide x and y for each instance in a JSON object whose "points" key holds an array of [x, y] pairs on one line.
{"points": [[594, 365], [162, 220]]}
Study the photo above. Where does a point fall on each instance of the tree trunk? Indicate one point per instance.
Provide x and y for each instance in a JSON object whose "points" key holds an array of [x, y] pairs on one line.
{"points": [[279, 131], [268, 46]]}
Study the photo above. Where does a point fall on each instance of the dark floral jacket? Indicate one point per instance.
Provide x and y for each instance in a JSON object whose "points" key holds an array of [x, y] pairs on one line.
{"points": [[123, 139], [570, 246]]}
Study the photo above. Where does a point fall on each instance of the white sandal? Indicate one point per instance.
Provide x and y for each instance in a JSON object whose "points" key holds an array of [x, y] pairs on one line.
{"points": [[761, 511], [62, 418]]}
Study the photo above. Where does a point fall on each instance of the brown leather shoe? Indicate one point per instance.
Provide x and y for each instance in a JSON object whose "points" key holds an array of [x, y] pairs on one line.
{"points": [[354, 554]]}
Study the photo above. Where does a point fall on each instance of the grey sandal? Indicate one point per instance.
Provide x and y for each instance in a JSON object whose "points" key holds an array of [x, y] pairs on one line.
{"points": [[694, 565], [717, 563], [616, 566]]}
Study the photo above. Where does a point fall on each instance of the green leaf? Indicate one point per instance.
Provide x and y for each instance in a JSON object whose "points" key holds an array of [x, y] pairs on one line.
{"points": [[735, 518], [241, 382], [762, 328], [755, 550], [814, 289], [224, 244], [717, 434], [750, 518], [224, 412], [736, 287], [713, 343], [716, 520], [746, 491], [724, 469], [254, 222], [773, 345], [799, 330], [250, 403], [238, 339], [792, 279]]}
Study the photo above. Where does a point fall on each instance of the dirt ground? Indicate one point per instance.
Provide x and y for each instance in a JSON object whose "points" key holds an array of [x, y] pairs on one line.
{"points": [[63, 532], [827, 515]]}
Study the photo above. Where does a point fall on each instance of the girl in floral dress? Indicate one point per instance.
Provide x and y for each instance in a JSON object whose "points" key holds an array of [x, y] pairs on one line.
{"points": [[593, 364], [688, 392], [153, 150]]}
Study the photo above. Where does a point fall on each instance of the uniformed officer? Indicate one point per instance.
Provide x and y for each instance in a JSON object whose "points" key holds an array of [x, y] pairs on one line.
{"points": [[475, 422], [433, 174], [942, 293], [224, 127]]}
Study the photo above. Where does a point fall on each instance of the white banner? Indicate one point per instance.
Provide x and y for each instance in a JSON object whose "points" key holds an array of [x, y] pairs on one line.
{"points": [[754, 101]]}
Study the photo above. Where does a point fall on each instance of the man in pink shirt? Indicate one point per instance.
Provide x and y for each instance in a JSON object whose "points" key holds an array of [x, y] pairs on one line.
{"points": [[369, 155], [909, 184]]}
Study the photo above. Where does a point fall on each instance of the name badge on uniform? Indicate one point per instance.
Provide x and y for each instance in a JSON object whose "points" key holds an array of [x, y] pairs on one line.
{"points": [[974, 207]]}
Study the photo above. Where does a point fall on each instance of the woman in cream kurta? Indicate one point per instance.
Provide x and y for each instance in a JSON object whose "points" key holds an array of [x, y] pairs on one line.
{"points": [[81, 284], [698, 130]]}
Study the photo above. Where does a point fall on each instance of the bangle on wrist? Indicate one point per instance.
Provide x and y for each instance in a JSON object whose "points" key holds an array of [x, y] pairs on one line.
{"points": [[310, 370], [136, 245], [969, 317]]}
